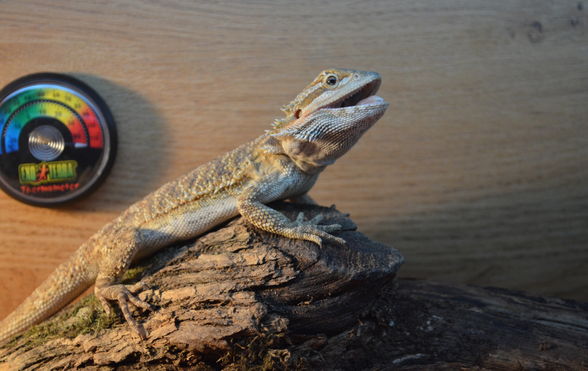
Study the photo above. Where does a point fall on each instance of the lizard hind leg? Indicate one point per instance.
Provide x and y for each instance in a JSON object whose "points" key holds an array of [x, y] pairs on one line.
{"points": [[116, 258]]}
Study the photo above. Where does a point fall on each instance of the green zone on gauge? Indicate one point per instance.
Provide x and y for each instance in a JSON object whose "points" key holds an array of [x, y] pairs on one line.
{"points": [[57, 139]]}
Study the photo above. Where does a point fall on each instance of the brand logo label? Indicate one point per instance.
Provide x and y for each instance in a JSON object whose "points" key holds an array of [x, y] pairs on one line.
{"points": [[47, 172]]}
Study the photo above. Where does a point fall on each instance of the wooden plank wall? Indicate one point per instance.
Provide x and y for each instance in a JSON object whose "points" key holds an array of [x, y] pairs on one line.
{"points": [[478, 172]]}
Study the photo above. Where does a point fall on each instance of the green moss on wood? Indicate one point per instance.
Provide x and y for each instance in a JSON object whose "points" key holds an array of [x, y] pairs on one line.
{"points": [[85, 317]]}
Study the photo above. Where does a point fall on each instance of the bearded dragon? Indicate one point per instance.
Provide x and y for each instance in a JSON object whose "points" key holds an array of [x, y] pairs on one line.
{"points": [[322, 123]]}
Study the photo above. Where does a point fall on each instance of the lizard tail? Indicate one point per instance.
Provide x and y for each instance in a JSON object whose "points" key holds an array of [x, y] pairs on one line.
{"points": [[65, 284]]}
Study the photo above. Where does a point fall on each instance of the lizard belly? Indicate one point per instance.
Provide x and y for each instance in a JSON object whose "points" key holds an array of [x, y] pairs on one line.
{"points": [[186, 222]]}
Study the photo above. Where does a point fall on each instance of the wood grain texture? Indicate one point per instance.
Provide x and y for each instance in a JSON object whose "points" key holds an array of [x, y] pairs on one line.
{"points": [[477, 173]]}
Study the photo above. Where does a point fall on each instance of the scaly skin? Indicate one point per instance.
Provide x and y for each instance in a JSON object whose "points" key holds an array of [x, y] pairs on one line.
{"points": [[322, 123]]}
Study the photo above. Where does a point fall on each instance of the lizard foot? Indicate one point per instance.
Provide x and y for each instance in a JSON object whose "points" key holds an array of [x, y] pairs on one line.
{"points": [[124, 295], [312, 231]]}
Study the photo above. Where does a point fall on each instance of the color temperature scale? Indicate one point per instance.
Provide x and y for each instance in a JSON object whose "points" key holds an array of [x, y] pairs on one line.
{"points": [[57, 139]]}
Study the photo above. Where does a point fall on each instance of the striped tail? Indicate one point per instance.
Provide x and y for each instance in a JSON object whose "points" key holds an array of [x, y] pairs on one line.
{"points": [[65, 284]]}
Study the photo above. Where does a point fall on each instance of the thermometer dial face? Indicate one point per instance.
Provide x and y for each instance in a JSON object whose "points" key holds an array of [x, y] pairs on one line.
{"points": [[57, 139]]}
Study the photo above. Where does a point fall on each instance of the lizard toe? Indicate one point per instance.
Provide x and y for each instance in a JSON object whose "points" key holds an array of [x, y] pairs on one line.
{"points": [[123, 301], [105, 305], [329, 227], [138, 287], [316, 220]]}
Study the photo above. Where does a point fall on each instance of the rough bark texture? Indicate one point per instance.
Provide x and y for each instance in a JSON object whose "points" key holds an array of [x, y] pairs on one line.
{"points": [[242, 299]]}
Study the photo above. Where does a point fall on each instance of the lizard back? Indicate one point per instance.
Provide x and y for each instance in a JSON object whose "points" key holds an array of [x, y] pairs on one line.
{"points": [[217, 176]]}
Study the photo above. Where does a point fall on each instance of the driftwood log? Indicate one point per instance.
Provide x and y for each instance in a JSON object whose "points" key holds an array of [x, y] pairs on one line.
{"points": [[240, 299]]}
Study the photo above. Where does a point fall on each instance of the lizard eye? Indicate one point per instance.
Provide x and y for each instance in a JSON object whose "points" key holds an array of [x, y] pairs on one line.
{"points": [[331, 80]]}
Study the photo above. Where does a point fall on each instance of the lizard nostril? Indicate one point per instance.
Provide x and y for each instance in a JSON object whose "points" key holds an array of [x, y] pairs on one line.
{"points": [[356, 76]]}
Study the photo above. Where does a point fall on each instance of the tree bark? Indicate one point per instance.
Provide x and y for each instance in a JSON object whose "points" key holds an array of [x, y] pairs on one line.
{"points": [[240, 298]]}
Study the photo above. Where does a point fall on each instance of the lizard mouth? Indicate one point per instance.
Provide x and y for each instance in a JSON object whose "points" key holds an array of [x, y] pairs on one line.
{"points": [[362, 96]]}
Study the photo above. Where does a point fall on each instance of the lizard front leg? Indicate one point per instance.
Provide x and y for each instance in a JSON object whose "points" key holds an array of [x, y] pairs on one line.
{"points": [[116, 258], [270, 220]]}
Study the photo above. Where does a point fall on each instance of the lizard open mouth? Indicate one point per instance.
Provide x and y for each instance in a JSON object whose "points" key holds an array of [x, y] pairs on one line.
{"points": [[363, 96]]}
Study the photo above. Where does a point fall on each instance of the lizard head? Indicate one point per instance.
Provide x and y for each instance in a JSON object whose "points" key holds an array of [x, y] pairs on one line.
{"points": [[329, 116]]}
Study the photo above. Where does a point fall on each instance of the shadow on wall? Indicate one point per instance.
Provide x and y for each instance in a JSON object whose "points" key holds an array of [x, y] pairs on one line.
{"points": [[141, 155]]}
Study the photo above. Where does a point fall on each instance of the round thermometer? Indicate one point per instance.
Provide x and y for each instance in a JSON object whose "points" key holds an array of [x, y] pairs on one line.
{"points": [[57, 139]]}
